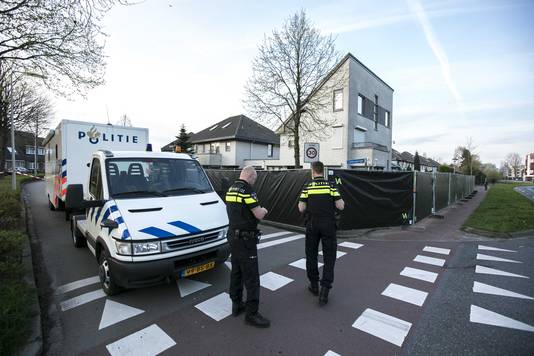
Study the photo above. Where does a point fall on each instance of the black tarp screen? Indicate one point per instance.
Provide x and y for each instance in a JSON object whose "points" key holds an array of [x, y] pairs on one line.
{"points": [[442, 190], [423, 197], [278, 191], [374, 199]]}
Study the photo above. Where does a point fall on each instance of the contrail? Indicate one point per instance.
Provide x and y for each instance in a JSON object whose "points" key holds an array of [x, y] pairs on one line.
{"points": [[434, 44]]}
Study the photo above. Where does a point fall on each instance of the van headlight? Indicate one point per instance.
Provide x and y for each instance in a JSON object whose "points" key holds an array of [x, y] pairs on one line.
{"points": [[222, 234], [143, 248], [123, 248]]}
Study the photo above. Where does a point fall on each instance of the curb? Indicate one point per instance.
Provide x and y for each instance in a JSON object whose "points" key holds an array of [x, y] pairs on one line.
{"points": [[500, 235], [34, 344]]}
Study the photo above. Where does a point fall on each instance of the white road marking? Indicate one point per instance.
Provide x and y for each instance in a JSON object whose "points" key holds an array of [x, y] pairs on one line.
{"points": [[331, 353], [352, 245], [279, 241], [487, 270], [302, 264], [485, 316], [430, 260], [81, 299], [489, 248], [115, 312], [442, 251], [275, 234], [273, 281], [188, 286], [77, 284], [217, 308], [487, 289], [419, 274], [148, 341], [384, 326], [405, 294], [338, 254], [493, 258]]}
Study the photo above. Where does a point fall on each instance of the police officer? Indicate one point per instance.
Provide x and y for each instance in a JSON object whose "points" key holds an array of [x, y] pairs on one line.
{"points": [[318, 200], [244, 212]]}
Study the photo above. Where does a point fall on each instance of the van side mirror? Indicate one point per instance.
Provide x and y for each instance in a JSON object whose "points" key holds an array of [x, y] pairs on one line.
{"points": [[110, 224], [74, 200]]}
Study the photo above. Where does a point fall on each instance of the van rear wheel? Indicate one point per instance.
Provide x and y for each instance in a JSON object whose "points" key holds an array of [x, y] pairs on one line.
{"points": [[77, 237], [50, 205], [106, 280]]}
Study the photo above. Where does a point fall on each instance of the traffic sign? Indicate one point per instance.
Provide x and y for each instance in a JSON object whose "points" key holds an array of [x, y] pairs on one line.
{"points": [[311, 152]]}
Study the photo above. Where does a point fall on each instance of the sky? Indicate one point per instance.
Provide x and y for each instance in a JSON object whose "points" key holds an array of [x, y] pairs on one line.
{"points": [[461, 69]]}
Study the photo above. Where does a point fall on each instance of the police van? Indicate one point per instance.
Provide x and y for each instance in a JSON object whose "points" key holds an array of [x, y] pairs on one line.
{"points": [[147, 217], [69, 147]]}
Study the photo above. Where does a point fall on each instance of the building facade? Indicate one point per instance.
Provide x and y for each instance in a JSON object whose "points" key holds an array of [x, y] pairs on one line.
{"points": [[25, 152], [359, 117], [234, 143], [529, 168]]}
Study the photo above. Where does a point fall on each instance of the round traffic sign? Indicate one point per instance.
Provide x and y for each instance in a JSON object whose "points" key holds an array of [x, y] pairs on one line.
{"points": [[311, 152]]}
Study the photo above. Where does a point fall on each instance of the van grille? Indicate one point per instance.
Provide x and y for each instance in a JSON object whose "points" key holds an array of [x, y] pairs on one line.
{"points": [[189, 241]]}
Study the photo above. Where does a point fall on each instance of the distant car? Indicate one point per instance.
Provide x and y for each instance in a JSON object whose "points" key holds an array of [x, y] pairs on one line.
{"points": [[22, 170]]}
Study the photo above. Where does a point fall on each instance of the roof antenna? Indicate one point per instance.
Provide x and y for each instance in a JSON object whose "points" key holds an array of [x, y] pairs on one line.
{"points": [[107, 113]]}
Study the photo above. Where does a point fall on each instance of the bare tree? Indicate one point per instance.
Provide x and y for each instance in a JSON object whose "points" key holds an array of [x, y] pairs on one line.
{"points": [[291, 66], [60, 40], [21, 105], [125, 121], [514, 163]]}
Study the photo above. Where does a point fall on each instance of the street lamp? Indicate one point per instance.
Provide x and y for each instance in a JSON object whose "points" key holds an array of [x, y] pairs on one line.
{"points": [[454, 160], [12, 122]]}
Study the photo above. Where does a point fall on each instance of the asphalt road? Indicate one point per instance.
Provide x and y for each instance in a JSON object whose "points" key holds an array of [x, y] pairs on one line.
{"points": [[527, 191], [387, 300]]}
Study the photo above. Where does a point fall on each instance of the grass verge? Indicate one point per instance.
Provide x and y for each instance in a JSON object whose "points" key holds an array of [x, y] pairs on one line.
{"points": [[503, 210], [15, 294]]}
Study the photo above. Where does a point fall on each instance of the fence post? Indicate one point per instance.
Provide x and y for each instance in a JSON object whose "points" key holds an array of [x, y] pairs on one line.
{"points": [[414, 193], [449, 191], [433, 192]]}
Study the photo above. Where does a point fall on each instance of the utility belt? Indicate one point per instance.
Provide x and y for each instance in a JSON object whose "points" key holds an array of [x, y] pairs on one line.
{"points": [[245, 234]]}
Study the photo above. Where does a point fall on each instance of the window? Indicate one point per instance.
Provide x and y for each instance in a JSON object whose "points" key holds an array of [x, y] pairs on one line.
{"points": [[227, 146], [30, 150], [11, 150], [359, 135], [227, 124], [212, 148], [269, 150], [290, 142], [31, 165], [387, 123], [217, 148], [360, 104], [338, 100], [95, 180], [41, 151], [213, 128], [56, 153]]}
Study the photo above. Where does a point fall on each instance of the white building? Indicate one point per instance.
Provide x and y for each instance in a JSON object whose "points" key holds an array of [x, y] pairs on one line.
{"points": [[529, 168], [359, 116], [236, 142]]}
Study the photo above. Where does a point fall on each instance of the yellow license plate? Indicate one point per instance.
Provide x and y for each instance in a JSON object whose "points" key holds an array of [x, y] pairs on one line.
{"points": [[198, 269]]}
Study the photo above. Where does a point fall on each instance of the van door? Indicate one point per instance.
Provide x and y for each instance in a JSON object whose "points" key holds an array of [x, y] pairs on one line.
{"points": [[96, 192]]}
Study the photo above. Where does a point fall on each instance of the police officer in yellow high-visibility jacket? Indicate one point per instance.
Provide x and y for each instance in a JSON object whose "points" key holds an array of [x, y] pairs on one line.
{"points": [[319, 199], [244, 212]]}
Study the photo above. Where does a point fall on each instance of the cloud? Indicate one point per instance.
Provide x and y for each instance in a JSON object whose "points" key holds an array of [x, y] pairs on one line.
{"points": [[436, 47]]}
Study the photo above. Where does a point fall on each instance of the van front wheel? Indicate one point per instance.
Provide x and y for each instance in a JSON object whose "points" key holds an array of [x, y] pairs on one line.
{"points": [[106, 280]]}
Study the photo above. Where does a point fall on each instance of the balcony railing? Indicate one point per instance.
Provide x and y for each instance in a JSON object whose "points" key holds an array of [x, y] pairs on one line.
{"points": [[373, 145]]}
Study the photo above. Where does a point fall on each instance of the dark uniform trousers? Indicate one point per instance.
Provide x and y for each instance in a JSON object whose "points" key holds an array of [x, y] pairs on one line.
{"points": [[324, 230], [245, 269]]}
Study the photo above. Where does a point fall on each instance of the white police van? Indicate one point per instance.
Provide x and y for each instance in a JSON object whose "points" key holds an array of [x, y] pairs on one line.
{"points": [[69, 147], [146, 217]]}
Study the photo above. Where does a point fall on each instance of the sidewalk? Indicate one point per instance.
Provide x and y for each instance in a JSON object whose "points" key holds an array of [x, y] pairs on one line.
{"points": [[433, 229]]}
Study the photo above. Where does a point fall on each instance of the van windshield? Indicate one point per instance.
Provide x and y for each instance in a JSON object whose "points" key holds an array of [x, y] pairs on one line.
{"points": [[155, 177]]}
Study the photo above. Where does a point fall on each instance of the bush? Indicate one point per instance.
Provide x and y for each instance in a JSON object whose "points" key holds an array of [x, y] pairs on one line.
{"points": [[10, 211]]}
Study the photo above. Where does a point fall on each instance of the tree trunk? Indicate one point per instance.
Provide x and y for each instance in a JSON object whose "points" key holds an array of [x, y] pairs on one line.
{"points": [[3, 150], [296, 136]]}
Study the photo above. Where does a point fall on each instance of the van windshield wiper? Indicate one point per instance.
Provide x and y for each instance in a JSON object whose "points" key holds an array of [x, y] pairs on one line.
{"points": [[183, 189], [135, 192]]}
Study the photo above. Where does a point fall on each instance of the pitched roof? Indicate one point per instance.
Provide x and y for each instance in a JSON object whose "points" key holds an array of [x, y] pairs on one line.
{"points": [[407, 157], [395, 155], [240, 128]]}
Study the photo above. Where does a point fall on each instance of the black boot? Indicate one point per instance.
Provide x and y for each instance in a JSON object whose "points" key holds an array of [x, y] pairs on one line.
{"points": [[314, 288], [257, 320], [237, 308], [323, 296]]}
